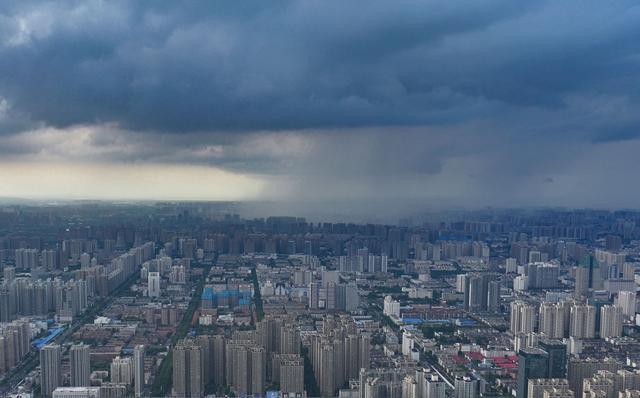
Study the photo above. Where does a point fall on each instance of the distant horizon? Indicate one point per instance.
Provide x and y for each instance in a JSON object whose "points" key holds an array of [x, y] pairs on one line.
{"points": [[456, 103]]}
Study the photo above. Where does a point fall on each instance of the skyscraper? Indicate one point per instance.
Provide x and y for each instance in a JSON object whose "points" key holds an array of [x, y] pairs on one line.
{"points": [[80, 365], [532, 364], [138, 370], [50, 375], [588, 276], [557, 357]]}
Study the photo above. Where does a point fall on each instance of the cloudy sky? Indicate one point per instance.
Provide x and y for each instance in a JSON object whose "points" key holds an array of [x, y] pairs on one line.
{"points": [[464, 103]]}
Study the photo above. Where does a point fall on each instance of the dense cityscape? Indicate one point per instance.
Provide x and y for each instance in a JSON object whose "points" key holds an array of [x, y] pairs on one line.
{"points": [[319, 199], [106, 300]]}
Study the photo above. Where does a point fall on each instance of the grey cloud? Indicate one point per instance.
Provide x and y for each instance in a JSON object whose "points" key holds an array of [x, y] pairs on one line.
{"points": [[283, 65]]}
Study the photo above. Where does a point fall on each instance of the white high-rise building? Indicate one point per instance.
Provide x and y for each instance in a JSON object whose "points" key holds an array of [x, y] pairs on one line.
{"points": [[552, 320], [511, 265], [466, 387], [122, 370], [627, 300], [391, 307], [523, 317], [435, 387], [583, 321], [611, 318], [154, 284]]}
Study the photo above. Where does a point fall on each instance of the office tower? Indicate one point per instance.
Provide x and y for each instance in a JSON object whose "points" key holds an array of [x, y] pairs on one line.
{"points": [[557, 354], [467, 387], [391, 307], [537, 387], [493, 301], [154, 284], [588, 276], [523, 317], [611, 318], [583, 321], [580, 369], [627, 300], [532, 364], [122, 370], [292, 376], [552, 320], [187, 369], [50, 375], [80, 365], [138, 369]]}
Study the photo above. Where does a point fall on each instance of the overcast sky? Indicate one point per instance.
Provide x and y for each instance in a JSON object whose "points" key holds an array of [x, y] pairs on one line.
{"points": [[465, 103]]}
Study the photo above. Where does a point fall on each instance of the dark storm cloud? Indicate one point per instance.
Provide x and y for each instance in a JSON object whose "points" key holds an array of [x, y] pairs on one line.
{"points": [[461, 102], [203, 66]]}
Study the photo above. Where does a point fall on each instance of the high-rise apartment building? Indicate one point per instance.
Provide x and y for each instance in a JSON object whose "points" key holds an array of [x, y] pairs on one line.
{"points": [[552, 320], [537, 387], [523, 317], [467, 387], [80, 365], [154, 284], [188, 380], [122, 370], [580, 369], [583, 321], [50, 375], [627, 300], [138, 370], [611, 318], [292, 376]]}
